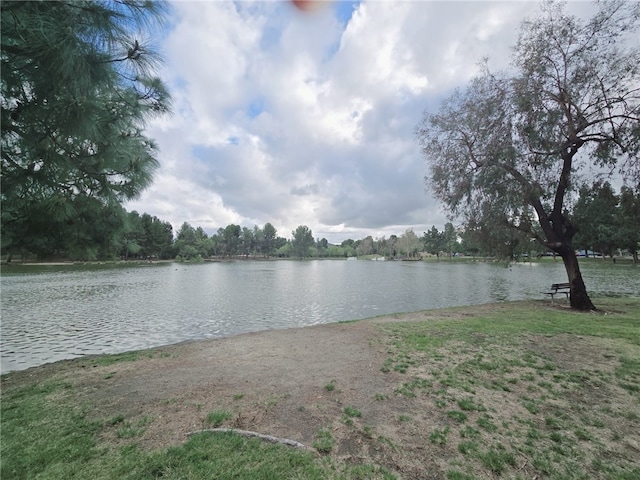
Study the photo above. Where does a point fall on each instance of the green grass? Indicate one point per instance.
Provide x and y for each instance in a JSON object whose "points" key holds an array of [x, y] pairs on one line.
{"points": [[470, 404], [218, 417], [458, 416], [40, 438], [350, 411], [439, 436], [501, 325], [497, 459], [133, 429], [324, 441], [116, 358], [46, 436], [564, 415]]}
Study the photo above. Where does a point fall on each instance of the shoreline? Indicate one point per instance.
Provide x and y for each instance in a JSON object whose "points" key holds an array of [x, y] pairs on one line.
{"points": [[199, 343], [419, 394]]}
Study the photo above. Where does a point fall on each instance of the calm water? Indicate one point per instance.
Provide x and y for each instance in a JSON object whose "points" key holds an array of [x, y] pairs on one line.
{"points": [[54, 313]]}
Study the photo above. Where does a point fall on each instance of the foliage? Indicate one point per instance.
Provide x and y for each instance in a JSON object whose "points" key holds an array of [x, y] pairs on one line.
{"points": [[435, 242], [269, 239], [77, 90], [146, 237], [365, 246], [607, 221], [505, 150], [497, 241], [45, 435], [218, 417], [595, 219], [628, 214], [408, 245], [302, 241]]}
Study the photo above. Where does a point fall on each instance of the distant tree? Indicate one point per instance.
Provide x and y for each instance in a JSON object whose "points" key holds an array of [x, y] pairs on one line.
{"points": [[215, 243], [147, 246], [450, 239], [471, 244], [393, 245], [270, 236], [280, 242], [230, 240], [336, 251], [247, 242], [409, 244], [595, 218], [382, 246], [433, 241], [145, 236], [348, 243], [322, 244], [203, 244], [628, 220], [77, 89], [365, 246], [258, 240], [284, 250], [495, 240], [505, 151], [134, 237], [160, 238], [186, 243], [302, 241], [322, 247]]}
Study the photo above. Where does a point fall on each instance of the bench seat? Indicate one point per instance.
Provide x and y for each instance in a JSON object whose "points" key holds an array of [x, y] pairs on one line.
{"points": [[558, 288]]}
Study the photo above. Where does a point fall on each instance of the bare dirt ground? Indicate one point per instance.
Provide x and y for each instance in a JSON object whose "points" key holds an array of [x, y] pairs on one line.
{"points": [[275, 383]]}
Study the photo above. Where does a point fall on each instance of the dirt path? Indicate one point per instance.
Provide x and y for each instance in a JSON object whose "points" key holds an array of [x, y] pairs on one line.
{"points": [[273, 382], [263, 378]]}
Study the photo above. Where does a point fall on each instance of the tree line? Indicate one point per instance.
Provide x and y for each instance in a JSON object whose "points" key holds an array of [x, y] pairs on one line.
{"points": [[606, 222], [235, 241]]}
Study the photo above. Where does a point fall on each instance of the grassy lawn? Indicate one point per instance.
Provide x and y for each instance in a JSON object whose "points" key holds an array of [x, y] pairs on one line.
{"points": [[528, 394], [512, 392]]}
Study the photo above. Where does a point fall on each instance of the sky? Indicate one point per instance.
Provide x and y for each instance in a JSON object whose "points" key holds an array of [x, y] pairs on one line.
{"points": [[308, 118]]}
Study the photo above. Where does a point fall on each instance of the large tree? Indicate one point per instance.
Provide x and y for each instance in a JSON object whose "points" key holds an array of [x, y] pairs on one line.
{"points": [[78, 85], [507, 149]]}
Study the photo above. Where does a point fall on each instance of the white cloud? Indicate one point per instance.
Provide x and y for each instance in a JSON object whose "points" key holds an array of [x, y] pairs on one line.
{"points": [[294, 118]]}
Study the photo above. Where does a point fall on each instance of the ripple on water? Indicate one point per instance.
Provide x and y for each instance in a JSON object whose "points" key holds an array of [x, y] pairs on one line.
{"points": [[54, 314]]}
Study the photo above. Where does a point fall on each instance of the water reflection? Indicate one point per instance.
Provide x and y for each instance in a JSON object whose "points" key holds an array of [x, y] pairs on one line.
{"points": [[50, 314]]}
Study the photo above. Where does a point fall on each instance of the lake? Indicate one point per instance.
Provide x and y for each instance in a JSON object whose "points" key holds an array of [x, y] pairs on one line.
{"points": [[61, 312]]}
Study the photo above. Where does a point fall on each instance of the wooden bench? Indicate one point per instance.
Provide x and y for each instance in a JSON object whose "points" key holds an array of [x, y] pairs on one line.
{"points": [[558, 288]]}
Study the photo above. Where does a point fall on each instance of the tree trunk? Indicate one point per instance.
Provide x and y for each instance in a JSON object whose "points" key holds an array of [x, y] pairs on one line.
{"points": [[579, 299]]}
